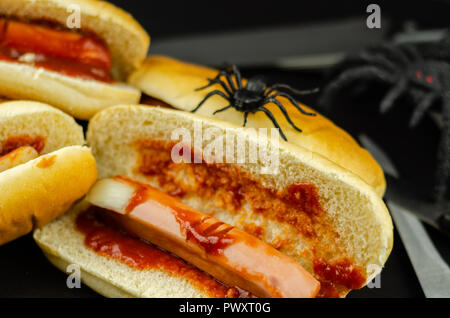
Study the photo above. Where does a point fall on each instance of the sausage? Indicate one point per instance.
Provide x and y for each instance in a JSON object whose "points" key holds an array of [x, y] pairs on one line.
{"points": [[232, 256], [17, 157], [32, 38]]}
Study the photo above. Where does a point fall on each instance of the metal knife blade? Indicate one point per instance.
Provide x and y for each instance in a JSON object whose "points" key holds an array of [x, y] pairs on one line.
{"points": [[431, 270]]}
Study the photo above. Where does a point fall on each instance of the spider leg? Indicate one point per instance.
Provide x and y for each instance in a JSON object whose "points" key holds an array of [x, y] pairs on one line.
{"points": [[237, 74], [411, 52], [217, 78], [215, 92], [421, 108], [390, 98], [245, 118], [274, 121], [229, 79], [363, 59], [443, 156], [290, 89], [222, 109], [392, 52], [283, 110], [293, 101], [350, 76], [213, 81]]}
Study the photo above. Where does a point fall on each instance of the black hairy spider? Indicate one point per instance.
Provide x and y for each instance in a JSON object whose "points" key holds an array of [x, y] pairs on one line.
{"points": [[251, 97], [422, 72]]}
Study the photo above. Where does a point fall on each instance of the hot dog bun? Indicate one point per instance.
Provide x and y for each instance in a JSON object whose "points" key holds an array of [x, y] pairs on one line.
{"points": [[63, 244], [37, 119], [358, 221], [126, 39], [35, 192], [174, 82], [78, 97]]}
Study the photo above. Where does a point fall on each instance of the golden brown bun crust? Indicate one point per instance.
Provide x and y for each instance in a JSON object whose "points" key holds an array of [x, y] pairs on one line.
{"points": [[126, 39], [174, 82], [40, 190], [77, 97]]}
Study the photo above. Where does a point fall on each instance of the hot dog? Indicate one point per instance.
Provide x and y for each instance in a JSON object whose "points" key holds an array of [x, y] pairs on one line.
{"points": [[313, 211], [38, 164], [63, 52], [79, 69], [227, 253], [18, 37]]}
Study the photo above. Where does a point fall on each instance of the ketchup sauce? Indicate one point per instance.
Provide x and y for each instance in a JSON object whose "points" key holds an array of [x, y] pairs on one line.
{"points": [[12, 143], [104, 238], [211, 240], [305, 197], [342, 272], [55, 49], [297, 205], [148, 100]]}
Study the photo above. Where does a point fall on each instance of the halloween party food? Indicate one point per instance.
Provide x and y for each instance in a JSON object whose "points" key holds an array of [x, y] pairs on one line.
{"points": [[44, 168], [73, 54], [172, 83], [321, 217], [232, 256]]}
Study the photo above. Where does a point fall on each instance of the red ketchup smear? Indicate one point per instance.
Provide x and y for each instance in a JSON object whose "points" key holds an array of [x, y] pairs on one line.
{"points": [[12, 143], [304, 196], [328, 290], [62, 51], [209, 239], [341, 272], [61, 66], [111, 242], [148, 100]]}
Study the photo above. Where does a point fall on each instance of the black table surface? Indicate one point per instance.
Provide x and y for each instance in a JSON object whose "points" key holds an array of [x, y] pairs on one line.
{"points": [[25, 272]]}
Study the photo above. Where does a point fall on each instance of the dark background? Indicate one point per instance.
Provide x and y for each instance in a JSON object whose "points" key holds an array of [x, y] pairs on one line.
{"points": [[165, 19], [28, 274]]}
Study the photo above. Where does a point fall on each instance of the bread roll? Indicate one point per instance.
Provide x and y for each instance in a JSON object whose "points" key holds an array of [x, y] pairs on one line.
{"points": [[174, 82], [36, 192], [126, 39], [352, 230], [18, 118], [77, 97]]}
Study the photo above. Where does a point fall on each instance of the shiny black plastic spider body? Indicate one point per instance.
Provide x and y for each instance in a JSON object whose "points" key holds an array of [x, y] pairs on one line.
{"points": [[252, 96], [422, 72]]}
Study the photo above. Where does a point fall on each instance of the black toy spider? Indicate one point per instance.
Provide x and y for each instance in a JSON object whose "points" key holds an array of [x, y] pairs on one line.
{"points": [[423, 72], [252, 97]]}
